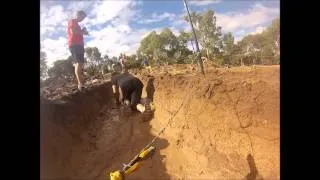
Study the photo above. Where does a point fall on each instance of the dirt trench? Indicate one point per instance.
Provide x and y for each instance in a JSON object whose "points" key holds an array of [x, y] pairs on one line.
{"points": [[223, 126]]}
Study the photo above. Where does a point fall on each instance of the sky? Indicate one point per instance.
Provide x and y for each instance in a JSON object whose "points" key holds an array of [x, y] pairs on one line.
{"points": [[118, 26]]}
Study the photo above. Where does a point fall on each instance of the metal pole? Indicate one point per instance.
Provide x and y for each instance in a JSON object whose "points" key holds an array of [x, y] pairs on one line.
{"points": [[192, 45], [195, 39]]}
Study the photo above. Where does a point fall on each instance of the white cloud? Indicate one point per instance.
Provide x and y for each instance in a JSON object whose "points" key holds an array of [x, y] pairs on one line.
{"points": [[114, 38], [157, 18], [258, 30], [110, 31], [191, 46], [257, 15], [104, 11], [79, 5], [204, 2], [55, 49], [52, 19], [180, 23]]}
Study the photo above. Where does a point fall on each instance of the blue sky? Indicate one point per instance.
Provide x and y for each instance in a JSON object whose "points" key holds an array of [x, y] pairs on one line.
{"points": [[119, 26]]}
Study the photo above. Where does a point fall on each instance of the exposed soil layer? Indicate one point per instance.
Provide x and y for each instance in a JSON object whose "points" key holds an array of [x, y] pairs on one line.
{"points": [[221, 126]]}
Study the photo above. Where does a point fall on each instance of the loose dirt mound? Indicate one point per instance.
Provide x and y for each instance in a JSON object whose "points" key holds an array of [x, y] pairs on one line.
{"points": [[223, 126]]}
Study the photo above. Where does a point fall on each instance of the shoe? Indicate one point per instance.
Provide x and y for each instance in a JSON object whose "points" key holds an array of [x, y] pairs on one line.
{"points": [[141, 108]]}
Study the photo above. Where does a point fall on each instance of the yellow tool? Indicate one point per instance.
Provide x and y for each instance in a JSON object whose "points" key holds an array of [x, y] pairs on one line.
{"points": [[134, 164], [147, 152]]}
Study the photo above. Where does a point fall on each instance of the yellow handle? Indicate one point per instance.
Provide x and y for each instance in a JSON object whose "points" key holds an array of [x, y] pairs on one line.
{"points": [[133, 168], [116, 176]]}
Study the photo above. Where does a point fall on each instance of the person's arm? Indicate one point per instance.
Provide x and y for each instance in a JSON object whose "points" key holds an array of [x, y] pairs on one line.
{"points": [[85, 31], [115, 91], [120, 95]]}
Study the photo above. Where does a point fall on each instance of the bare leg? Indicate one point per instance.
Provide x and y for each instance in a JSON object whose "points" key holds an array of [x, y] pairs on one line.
{"points": [[78, 73]]}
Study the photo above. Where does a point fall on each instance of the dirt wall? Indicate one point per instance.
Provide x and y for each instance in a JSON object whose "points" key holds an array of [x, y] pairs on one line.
{"points": [[223, 126]]}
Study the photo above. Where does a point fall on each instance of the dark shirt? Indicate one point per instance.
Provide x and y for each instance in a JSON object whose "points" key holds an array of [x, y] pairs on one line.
{"points": [[127, 83]]}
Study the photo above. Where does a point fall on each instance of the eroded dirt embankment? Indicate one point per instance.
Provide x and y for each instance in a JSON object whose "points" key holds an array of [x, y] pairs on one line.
{"points": [[226, 126], [63, 120], [83, 136]]}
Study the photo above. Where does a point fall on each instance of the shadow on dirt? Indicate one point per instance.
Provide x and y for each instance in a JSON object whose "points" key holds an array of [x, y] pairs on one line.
{"points": [[253, 174], [106, 139], [152, 168], [150, 88]]}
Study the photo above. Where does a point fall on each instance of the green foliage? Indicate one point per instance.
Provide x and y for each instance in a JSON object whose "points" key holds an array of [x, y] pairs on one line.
{"points": [[208, 33], [262, 48], [134, 62], [105, 67], [62, 68], [93, 55], [114, 59], [228, 48], [94, 60], [150, 43], [92, 70], [43, 65], [165, 48]]}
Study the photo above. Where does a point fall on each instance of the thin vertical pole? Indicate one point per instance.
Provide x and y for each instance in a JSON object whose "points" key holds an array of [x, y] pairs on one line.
{"points": [[195, 38]]}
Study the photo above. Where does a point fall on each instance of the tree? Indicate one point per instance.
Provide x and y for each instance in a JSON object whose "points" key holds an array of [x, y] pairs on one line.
{"points": [[62, 68], [106, 57], [273, 36], [184, 38], [195, 18], [150, 43], [228, 47], [169, 41], [114, 59], [183, 52], [95, 61], [208, 33], [165, 48], [43, 64], [267, 54], [133, 61], [93, 55], [263, 48]]}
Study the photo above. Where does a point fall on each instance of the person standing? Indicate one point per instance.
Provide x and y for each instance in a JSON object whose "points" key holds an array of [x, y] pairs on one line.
{"points": [[123, 63], [146, 64], [76, 45]]}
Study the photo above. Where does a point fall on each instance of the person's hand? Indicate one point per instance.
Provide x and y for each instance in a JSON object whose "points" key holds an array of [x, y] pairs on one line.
{"points": [[84, 31]]}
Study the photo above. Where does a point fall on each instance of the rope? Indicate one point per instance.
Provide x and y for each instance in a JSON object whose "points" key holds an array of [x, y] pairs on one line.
{"points": [[162, 129]]}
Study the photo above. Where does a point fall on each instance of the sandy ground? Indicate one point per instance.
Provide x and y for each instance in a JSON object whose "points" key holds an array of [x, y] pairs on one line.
{"points": [[225, 125]]}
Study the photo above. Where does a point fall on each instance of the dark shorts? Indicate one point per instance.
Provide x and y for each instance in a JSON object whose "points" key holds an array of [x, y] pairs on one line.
{"points": [[77, 53], [136, 96], [132, 91]]}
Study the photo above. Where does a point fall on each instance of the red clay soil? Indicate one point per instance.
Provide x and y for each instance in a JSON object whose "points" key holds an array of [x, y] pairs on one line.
{"points": [[225, 125]]}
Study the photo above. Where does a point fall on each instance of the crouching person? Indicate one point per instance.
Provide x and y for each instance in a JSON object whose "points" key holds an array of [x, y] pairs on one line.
{"points": [[127, 91]]}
